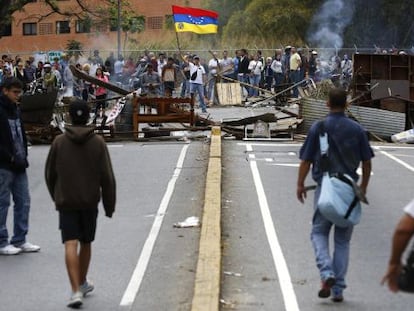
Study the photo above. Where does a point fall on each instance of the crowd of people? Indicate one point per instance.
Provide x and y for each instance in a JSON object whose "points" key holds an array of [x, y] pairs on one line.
{"points": [[252, 69]]}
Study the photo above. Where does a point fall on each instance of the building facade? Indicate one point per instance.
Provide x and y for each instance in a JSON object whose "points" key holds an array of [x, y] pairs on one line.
{"points": [[36, 28]]}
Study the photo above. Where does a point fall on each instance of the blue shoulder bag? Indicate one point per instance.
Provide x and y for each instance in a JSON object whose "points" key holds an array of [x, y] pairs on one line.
{"points": [[339, 199]]}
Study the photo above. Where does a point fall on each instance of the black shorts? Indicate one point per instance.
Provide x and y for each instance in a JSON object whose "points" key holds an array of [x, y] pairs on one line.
{"points": [[78, 225]]}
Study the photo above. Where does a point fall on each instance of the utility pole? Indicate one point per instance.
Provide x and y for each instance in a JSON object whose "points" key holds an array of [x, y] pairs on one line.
{"points": [[119, 28]]}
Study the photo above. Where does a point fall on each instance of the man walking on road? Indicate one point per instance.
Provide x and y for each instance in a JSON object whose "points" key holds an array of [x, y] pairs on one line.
{"points": [[13, 177], [349, 141], [78, 171]]}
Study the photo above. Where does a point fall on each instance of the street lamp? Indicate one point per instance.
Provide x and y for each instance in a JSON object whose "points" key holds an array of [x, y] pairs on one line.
{"points": [[119, 28]]}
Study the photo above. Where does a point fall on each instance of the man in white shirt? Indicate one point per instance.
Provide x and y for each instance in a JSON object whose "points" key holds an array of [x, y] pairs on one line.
{"points": [[197, 77], [294, 65], [213, 67], [227, 66]]}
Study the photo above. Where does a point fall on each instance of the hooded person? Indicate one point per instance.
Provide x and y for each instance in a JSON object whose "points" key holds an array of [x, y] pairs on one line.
{"points": [[78, 174]]}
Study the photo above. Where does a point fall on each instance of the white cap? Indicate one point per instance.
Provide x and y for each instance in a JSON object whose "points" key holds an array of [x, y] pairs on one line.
{"points": [[47, 66], [314, 53]]}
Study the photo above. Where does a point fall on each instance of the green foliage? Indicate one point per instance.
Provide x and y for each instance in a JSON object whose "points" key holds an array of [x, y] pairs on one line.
{"points": [[268, 25], [74, 48]]}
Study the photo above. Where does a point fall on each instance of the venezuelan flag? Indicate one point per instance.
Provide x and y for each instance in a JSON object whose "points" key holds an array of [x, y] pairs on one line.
{"points": [[194, 20]]}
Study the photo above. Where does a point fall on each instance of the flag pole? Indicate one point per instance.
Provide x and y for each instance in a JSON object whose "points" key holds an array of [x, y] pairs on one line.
{"points": [[176, 36], [178, 41]]}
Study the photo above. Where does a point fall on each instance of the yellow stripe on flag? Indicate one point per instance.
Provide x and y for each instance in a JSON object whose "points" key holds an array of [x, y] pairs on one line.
{"points": [[200, 29]]}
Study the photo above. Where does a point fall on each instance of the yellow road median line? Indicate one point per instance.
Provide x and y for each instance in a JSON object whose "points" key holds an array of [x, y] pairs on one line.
{"points": [[207, 281]]}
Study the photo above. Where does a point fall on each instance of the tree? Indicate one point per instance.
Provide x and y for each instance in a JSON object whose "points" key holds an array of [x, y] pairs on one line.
{"points": [[265, 24], [130, 22], [74, 48]]}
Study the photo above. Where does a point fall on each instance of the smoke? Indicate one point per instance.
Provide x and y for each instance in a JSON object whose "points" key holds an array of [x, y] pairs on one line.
{"points": [[328, 25]]}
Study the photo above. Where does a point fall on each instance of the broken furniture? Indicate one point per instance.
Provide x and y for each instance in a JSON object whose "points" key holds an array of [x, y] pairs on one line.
{"points": [[162, 110]]}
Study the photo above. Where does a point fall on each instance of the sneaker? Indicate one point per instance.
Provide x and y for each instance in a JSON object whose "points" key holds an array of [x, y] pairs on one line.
{"points": [[29, 247], [325, 290], [10, 250], [86, 287], [337, 294], [75, 300]]}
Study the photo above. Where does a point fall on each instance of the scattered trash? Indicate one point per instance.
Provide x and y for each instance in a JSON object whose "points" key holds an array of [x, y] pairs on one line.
{"points": [[232, 273], [404, 137], [227, 304], [192, 221]]}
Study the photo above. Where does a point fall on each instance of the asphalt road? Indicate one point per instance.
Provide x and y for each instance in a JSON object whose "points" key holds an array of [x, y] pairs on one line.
{"points": [[268, 262], [139, 260]]}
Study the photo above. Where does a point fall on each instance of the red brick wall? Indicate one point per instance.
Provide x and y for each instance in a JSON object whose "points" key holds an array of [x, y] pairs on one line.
{"points": [[27, 44]]}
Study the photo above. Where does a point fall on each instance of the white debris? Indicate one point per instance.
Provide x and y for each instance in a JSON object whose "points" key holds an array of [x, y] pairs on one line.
{"points": [[192, 221]]}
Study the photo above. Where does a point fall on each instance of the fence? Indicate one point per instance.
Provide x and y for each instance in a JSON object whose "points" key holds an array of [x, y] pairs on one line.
{"points": [[325, 53]]}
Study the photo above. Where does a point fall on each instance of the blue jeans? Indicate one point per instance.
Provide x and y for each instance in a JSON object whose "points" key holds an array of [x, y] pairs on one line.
{"points": [[185, 88], [210, 88], [294, 76], [200, 90], [244, 78], [254, 80], [17, 185], [338, 265]]}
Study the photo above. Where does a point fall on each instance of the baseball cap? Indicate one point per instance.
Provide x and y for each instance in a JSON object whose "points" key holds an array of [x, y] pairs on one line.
{"points": [[79, 112]]}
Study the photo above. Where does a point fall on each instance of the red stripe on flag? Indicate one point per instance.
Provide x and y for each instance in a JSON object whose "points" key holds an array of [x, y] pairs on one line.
{"points": [[193, 11]]}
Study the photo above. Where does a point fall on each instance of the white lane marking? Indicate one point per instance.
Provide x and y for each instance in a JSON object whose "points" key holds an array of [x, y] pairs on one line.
{"points": [[289, 296], [142, 264], [286, 164], [395, 159], [390, 146], [114, 146]]}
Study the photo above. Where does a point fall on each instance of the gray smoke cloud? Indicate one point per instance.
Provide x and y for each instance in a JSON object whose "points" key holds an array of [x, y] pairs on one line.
{"points": [[329, 23]]}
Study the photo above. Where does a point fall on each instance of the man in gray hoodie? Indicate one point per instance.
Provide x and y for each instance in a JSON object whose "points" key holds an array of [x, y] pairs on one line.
{"points": [[78, 172]]}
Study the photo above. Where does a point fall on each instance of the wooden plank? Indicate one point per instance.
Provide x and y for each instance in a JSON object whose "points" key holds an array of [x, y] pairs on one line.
{"points": [[82, 75], [229, 94]]}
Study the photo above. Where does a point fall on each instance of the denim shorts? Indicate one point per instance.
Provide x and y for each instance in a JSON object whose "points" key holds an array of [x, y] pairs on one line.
{"points": [[78, 225]]}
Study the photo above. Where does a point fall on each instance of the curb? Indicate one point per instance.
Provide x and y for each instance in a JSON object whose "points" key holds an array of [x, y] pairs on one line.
{"points": [[207, 280]]}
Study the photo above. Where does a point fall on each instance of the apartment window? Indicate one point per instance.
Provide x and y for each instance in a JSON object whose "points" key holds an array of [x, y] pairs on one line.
{"points": [[45, 28], [62, 27], [29, 29], [83, 26], [6, 30], [155, 22]]}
